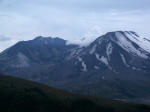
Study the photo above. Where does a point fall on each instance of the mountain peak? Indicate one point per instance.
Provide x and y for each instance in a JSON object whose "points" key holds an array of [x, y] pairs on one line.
{"points": [[41, 38], [128, 41], [117, 35], [49, 40], [122, 32]]}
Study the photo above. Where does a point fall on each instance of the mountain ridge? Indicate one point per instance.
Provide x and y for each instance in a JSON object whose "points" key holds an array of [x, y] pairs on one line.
{"points": [[114, 57]]}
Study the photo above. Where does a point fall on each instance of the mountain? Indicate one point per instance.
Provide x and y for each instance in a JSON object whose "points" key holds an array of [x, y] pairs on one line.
{"points": [[118, 52], [115, 65], [18, 95], [34, 56]]}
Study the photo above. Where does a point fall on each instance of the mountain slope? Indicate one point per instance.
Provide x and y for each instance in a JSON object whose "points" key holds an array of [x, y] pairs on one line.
{"points": [[19, 95], [117, 51], [115, 65], [34, 56]]}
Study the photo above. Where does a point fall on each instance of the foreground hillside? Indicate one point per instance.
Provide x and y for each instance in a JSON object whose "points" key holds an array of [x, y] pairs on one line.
{"points": [[18, 95]]}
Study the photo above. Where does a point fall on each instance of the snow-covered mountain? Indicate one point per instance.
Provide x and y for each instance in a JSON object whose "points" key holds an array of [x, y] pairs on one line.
{"points": [[116, 51], [120, 56]]}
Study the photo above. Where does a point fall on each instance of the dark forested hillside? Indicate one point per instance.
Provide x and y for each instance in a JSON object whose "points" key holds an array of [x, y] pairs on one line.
{"points": [[18, 95]]}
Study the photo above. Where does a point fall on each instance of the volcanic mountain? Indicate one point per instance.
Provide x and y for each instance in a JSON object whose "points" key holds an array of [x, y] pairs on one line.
{"points": [[115, 65]]}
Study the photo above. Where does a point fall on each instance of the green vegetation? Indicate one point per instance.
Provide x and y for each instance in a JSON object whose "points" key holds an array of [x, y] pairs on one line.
{"points": [[18, 95]]}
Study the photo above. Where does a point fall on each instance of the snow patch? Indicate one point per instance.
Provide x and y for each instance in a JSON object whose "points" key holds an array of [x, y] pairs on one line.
{"points": [[124, 60], [102, 59], [84, 67], [128, 46], [141, 42], [83, 64], [96, 67], [134, 68], [109, 50], [80, 59], [93, 49]]}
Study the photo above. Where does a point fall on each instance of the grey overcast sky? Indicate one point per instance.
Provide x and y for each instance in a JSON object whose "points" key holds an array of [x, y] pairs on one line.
{"points": [[70, 19]]}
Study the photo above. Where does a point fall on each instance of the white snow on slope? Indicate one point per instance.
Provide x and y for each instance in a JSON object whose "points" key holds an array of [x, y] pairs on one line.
{"points": [[141, 42], [84, 67], [96, 67], [134, 68], [80, 59], [124, 60], [83, 64], [102, 59], [93, 49], [109, 50], [127, 45]]}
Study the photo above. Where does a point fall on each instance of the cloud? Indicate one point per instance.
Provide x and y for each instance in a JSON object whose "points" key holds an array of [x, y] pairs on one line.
{"points": [[3, 38], [6, 44], [71, 19]]}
